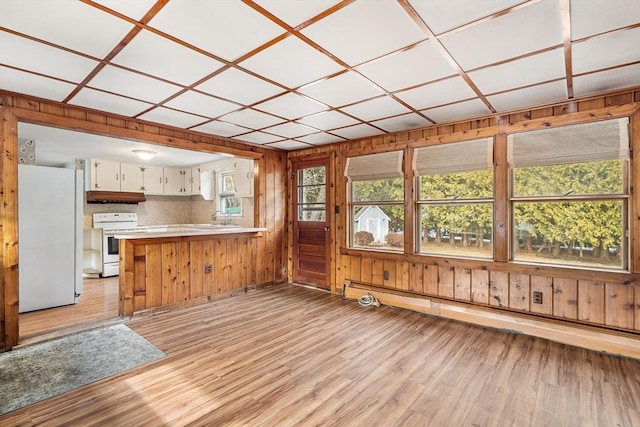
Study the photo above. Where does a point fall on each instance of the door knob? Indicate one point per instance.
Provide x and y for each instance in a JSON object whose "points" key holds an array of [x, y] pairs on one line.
{"points": [[327, 229]]}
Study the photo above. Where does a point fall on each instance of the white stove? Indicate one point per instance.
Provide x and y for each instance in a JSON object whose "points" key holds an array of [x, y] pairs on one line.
{"points": [[112, 223]]}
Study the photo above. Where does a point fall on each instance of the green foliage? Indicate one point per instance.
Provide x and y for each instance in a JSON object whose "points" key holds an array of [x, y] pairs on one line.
{"points": [[467, 185]]}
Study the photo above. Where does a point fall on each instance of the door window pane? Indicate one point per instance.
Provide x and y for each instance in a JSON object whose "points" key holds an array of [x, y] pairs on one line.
{"points": [[312, 193]]}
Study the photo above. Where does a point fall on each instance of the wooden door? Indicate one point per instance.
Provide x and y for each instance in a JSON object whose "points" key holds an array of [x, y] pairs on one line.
{"points": [[311, 224]]}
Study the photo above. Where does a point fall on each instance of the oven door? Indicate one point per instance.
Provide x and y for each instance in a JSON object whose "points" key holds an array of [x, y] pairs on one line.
{"points": [[110, 248]]}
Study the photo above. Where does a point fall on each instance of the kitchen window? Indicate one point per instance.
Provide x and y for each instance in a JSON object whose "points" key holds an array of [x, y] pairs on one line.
{"points": [[454, 203], [376, 201], [229, 204], [570, 195]]}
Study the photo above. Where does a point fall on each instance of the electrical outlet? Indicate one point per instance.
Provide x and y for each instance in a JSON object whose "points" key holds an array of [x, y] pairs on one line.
{"points": [[537, 297], [385, 275], [208, 268]]}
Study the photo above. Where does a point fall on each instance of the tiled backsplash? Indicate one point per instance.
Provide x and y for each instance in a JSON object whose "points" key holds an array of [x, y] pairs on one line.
{"points": [[160, 210]]}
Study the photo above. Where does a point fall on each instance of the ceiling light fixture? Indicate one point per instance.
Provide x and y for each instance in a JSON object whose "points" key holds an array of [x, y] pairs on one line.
{"points": [[145, 154]]}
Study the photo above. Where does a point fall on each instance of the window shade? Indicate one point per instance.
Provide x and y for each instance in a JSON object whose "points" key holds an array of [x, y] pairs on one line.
{"points": [[374, 166], [468, 156], [590, 142]]}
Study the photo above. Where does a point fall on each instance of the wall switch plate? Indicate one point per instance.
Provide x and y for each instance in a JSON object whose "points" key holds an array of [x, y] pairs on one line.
{"points": [[208, 268], [385, 275]]}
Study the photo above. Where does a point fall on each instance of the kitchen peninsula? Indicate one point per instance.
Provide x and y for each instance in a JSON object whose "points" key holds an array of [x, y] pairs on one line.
{"points": [[171, 266]]}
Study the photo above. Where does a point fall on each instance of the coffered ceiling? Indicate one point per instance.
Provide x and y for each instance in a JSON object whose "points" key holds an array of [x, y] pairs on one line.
{"points": [[292, 74]]}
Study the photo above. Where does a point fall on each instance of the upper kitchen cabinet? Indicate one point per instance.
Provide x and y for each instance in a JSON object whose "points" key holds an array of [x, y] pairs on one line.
{"points": [[176, 181], [243, 177], [153, 179], [131, 177], [194, 181], [104, 175]]}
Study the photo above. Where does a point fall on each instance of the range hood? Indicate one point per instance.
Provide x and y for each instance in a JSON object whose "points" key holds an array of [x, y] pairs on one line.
{"points": [[115, 197]]}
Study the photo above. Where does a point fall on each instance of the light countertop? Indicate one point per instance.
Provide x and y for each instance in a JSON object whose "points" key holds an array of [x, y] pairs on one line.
{"points": [[177, 230]]}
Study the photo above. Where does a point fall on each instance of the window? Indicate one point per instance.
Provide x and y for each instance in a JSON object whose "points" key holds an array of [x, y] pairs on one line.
{"points": [[455, 198], [569, 195], [376, 201], [312, 194], [229, 204]]}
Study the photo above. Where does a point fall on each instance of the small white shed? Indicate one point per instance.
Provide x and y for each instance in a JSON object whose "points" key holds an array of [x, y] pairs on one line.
{"points": [[373, 220]]}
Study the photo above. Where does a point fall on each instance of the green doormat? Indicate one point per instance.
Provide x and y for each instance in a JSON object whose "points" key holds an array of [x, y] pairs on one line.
{"points": [[34, 373]]}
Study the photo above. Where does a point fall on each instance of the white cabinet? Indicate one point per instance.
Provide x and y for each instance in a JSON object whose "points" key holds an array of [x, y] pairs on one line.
{"points": [[104, 175], [243, 178], [153, 178], [194, 181], [131, 177], [175, 182]]}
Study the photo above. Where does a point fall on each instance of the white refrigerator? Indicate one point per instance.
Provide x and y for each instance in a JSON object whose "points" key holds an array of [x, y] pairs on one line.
{"points": [[50, 203]]}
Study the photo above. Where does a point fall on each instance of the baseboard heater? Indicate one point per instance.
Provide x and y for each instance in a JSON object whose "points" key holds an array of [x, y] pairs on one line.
{"points": [[591, 338]]}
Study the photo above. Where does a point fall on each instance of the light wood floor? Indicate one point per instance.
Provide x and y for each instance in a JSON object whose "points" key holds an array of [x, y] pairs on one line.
{"points": [[294, 356], [99, 301]]}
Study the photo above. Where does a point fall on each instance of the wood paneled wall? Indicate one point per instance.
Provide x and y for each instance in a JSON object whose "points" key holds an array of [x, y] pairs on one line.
{"points": [[271, 184], [172, 272], [606, 299]]}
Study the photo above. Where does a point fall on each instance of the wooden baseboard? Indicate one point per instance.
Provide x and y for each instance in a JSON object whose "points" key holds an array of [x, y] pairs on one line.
{"points": [[576, 335]]}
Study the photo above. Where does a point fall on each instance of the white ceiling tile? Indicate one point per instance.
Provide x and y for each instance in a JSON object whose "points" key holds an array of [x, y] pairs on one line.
{"points": [[605, 81], [595, 17], [613, 49], [103, 101], [31, 84], [221, 129], [421, 64], [344, 89], [238, 86], [531, 28], [258, 138], [161, 57], [252, 119], [291, 63], [295, 12], [171, 117], [205, 105], [357, 131], [291, 106], [438, 93], [75, 25], [328, 120], [530, 70], [529, 97], [320, 138], [290, 130], [29, 55], [289, 145], [459, 111], [372, 29], [123, 82], [228, 29], [376, 108], [441, 16], [133, 9], [404, 122]]}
